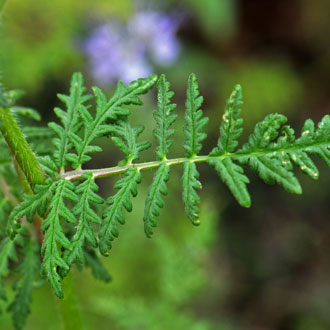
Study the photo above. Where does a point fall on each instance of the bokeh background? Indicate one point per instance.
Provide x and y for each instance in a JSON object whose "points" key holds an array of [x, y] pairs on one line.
{"points": [[263, 268]]}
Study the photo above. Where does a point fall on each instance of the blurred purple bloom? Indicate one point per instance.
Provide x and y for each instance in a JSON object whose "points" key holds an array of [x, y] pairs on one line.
{"points": [[122, 52], [159, 32]]}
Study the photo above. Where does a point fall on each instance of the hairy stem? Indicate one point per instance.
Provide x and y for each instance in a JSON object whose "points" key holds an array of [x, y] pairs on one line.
{"points": [[23, 157], [68, 306], [110, 171], [20, 149]]}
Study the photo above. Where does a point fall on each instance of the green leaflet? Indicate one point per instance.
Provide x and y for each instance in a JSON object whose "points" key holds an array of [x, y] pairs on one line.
{"points": [[40, 139], [232, 175], [297, 157], [125, 138], [113, 214], [8, 98], [96, 266], [264, 132], [5, 209], [3, 296], [70, 118], [321, 137], [274, 167], [154, 200], [20, 307], [190, 197], [7, 252], [195, 122], [49, 166], [86, 215], [164, 118], [37, 133], [230, 128], [107, 110], [30, 205], [271, 170], [26, 112], [54, 234], [194, 134]]}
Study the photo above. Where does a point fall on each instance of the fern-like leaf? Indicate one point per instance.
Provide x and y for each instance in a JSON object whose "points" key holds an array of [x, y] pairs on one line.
{"points": [[163, 132], [54, 234], [232, 175], [40, 139], [193, 130], [26, 112], [96, 266], [230, 128], [164, 118], [31, 204], [276, 168], [264, 132], [113, 109], [191, 199], [320, 146], [83, 209], [195, 121], [125, 138], [154, 200], [7, 252], [70, 118], [5, 209], [113, 215], [20, 307]]}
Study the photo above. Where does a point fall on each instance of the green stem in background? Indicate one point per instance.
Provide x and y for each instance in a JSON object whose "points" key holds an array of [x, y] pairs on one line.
{"points": [[68, 306], [20, 149], [30, 173]]}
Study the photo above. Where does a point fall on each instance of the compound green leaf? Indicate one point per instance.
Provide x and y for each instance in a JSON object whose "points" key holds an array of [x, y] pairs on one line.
{"points": [[164, 118], [113, 214], [154, 200], [190, 197], [232, 175], [86, 215], [230, 129], [55, 237], [21, 305], [195, 121]]}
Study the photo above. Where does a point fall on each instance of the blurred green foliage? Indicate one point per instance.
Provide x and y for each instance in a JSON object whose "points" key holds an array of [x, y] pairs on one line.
{"points": [[45, 38]]}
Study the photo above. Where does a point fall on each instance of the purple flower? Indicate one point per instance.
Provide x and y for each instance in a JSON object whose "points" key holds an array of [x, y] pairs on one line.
{"points": [[104, 53], [124, 52], [159, 32]]}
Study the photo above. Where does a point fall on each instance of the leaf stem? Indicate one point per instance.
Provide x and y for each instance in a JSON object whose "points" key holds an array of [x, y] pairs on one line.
{"points": [[111, 171]]}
